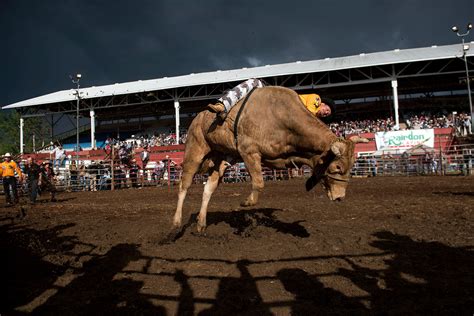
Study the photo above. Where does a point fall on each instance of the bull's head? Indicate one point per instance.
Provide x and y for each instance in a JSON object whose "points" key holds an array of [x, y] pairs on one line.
{"points": [[334, 170]]}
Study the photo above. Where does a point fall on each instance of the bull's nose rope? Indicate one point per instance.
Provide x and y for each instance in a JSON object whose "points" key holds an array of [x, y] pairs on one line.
{"points": [[336, 177]]}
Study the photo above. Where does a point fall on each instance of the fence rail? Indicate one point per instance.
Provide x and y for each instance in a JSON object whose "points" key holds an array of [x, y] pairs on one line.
{"points": [[111, 175]]}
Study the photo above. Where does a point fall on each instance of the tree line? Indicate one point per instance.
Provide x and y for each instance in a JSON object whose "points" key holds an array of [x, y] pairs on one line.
{"points": [[36, 132]]}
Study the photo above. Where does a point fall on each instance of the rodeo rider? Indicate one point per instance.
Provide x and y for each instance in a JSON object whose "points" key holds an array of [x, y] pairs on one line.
{"points": [[321, 108]]}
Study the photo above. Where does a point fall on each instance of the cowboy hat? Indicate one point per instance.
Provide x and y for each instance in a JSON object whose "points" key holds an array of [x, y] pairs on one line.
{"points": [[7, 155]]}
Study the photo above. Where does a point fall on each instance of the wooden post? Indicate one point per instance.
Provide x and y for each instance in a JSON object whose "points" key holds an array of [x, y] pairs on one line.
{"points": [[169, 172], [112, 170]]}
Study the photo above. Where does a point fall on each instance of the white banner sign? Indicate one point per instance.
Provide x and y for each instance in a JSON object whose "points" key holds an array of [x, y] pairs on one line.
{"points": [[404, 139]]}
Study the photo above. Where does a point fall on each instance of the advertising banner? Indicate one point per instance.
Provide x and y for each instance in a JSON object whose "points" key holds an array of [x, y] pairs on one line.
{"points": [[404, 140]]}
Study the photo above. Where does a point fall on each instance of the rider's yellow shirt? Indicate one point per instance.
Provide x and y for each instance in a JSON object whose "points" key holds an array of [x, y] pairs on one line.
{"points": [[312, 102]]}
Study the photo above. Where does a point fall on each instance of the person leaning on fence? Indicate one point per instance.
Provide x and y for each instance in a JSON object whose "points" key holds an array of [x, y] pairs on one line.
{"points": [[73, 172], [145, 157], [7, 172], [47, 180], [33, 176], [134, 173]]}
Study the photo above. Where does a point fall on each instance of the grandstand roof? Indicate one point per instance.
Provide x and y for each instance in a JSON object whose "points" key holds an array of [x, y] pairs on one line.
{"points": [[299, 67]]}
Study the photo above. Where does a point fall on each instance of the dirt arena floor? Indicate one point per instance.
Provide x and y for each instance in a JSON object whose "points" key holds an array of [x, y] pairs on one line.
{"points": [[394, 246]]}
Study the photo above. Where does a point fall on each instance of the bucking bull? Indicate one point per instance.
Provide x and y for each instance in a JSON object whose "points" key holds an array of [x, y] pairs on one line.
{"points": [[270, 127]]}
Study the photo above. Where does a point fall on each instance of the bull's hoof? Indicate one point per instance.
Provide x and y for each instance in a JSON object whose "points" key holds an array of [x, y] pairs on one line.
{"points": [[247, 203], [172, 236], [176, 224], [201, 229]]}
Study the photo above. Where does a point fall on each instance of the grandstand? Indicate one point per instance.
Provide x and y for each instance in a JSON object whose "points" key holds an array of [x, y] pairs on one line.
{"points": [[378, 85]]}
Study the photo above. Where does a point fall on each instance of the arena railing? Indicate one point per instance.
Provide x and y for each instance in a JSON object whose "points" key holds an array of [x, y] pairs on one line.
{"points": [[457, 160], [98, 175]]}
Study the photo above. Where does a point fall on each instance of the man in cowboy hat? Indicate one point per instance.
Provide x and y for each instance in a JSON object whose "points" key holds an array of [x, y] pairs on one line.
{"points": [[7, 172], [33, 173], [47, 179]]}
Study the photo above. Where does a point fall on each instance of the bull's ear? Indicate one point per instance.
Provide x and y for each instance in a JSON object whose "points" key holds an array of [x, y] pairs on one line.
{"points": [[358, 139], [337, 148]]}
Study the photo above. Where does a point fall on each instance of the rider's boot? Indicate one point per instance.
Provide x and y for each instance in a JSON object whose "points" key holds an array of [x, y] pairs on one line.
{"points": [[217, 107]]}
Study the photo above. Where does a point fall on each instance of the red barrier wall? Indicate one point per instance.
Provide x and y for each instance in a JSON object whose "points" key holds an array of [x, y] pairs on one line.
{"points": [[443, 139]]}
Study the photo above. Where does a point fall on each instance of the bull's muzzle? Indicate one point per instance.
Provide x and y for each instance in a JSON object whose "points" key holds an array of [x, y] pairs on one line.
{"points": [[335, 186]]}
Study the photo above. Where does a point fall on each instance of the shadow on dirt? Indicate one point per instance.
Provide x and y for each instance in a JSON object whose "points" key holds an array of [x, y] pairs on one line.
{"points": [[98, 291], [243, 221], [22, 271], [448, 193], [404, 276]]}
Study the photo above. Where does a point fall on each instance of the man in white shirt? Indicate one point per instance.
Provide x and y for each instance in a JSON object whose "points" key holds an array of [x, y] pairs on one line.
{"points": [[59, 155]]}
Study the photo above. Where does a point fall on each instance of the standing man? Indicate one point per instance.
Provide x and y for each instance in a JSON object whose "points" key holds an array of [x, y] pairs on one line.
{"points": [[47, 179], [134, 173], [33, 172], [59, 156], [7, 172], [145, 157]]}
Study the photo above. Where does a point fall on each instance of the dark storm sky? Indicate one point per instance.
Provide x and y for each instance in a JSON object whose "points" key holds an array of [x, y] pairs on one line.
{"points": [[116, 41]]}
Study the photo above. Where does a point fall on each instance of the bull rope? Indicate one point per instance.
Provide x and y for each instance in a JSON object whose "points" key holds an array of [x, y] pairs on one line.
{"points": [[236, 122]]}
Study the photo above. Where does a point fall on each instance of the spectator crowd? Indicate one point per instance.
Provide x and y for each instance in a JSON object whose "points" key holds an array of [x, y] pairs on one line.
{"points": [[462, 122]]}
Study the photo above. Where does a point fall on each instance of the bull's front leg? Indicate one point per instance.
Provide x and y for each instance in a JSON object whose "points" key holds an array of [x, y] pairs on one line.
{"points": [[253, 162], [212, 183]]}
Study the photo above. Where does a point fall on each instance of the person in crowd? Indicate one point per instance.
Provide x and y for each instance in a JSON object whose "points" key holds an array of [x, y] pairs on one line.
{"points": [[74, 173], [134, 173], [84, 179], [467, 126], [124, 154], [158, 172], [105, 179], [33, 176], [119, 175], [145, 157], [59, 156], [7, 172], [47, 180], [373, 166]]}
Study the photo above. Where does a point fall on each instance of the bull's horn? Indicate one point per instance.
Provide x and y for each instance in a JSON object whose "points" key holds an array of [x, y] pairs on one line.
{"points": [[358, 139], [337, 148]]}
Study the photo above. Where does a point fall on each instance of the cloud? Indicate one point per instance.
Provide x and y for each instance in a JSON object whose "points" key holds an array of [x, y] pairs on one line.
{"points": [[151, 39], [254, 61]]}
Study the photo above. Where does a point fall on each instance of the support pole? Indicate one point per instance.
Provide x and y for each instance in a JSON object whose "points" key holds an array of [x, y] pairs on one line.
{"points": [[395, 103], [22, 123], [112, 168], [52, 128], [92, 114], [176, 109]]}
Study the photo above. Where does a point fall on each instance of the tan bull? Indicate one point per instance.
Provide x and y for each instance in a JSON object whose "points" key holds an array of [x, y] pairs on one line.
{"points": [[275, 129]]}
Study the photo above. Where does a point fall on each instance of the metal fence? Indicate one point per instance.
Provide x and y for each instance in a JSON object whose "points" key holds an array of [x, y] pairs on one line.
{"points": [[458, 160], [105, 175]]}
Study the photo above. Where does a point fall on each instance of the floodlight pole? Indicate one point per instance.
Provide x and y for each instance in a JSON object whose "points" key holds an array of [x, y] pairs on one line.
{"points": [[76, 81], [465, 48]]}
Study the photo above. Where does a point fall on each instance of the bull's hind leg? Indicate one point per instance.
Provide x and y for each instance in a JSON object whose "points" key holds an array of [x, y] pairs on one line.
{"points": [[191, 165], [215, 177], [253, 162]]}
